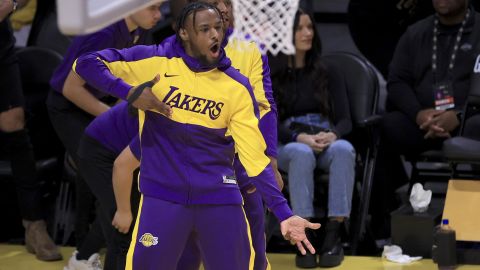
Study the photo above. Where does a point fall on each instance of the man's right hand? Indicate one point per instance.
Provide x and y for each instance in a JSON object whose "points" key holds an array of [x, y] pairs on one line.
{"points": [[148, 101]]}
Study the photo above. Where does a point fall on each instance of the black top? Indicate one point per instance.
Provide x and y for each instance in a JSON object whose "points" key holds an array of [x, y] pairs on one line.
{"points": [[7, 42], [410, 81], [301, 100]]}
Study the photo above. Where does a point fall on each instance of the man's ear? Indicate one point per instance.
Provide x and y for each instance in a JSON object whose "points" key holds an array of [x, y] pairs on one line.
{"points": [[183, 34]]}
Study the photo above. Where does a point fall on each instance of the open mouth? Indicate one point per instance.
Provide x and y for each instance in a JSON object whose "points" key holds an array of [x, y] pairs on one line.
{"points": [[215, 50]]}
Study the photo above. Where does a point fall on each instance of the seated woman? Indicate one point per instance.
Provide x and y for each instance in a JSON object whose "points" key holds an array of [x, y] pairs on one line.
{"points": [[314, 115]]}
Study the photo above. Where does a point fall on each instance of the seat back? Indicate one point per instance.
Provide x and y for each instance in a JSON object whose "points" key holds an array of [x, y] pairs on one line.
{"points": [[461, 149], [361, 82], [472, 106], [37, 66], [474, 93]]}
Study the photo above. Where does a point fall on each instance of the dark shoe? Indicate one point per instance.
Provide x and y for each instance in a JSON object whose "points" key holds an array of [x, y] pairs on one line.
{"points": [[332, 257], [308, 260], [331, 253], [38, 242]]}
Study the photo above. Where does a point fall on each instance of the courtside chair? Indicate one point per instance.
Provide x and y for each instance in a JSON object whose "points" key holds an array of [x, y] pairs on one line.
{"points": [[363, 88], [461, 150]]}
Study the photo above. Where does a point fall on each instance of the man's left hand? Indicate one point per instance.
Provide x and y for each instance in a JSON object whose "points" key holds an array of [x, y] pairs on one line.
{"points": [[448, 121]]}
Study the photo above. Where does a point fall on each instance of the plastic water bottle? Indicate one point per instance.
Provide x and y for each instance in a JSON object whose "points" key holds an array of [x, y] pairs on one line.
{"points": [[445, 247]]}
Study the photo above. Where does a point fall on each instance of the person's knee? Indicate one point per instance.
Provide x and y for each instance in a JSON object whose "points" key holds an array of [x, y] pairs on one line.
{"points": [[12, 120], [301, 152], [343, 148]]}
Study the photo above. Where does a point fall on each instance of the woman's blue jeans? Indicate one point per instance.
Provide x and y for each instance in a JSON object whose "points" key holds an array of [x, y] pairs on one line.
{"points": [[300, 161]]}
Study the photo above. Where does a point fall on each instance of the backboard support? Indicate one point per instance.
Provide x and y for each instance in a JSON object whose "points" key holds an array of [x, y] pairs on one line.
{"points": [[76, 17]]}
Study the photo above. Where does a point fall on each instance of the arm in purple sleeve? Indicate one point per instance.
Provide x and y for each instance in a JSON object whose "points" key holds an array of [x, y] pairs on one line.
{"points": [[108, 70], [268, 188]]}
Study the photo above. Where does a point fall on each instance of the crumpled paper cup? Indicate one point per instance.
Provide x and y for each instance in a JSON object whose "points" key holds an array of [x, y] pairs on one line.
{"points": [[420, 198]]}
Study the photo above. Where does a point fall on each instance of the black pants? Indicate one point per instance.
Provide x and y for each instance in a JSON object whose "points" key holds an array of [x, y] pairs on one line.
{"points": [[17, 146], [96, 164], [19, 150], [400, 136], [69, 123]]}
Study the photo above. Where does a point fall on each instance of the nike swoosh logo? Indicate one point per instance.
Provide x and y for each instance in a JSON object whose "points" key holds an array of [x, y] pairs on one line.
{"points": [[169, 75]]}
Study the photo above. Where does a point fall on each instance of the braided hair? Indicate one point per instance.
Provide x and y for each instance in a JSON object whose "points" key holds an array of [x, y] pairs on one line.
{"points": [[193, 8]]}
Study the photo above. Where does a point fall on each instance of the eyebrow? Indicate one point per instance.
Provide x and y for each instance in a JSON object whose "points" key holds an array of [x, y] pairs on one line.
{"points": [[207, 24], [203, 25]]}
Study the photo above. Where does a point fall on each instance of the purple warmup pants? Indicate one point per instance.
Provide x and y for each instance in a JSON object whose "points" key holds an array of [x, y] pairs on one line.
{"points": [[163, 229], [253, 205], [254, 210]]}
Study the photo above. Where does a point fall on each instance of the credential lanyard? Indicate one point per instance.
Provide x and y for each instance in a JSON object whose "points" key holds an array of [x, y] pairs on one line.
{"points": [[455, 47]]}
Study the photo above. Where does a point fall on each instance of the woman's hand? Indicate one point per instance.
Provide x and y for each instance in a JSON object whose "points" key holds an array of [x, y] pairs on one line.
{"points": [[311, 140], [326, 137]]}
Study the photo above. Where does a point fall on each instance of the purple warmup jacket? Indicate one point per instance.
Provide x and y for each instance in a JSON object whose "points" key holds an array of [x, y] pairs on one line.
{"points": [[248, 60]]}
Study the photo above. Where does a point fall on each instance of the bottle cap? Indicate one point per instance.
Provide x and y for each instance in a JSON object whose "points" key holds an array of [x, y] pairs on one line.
{"points": [[444, 221]]}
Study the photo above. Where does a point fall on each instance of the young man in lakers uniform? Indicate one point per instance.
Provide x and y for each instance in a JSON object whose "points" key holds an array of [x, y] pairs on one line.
{"points": [[186, 163], [96, 147], [247, 59]]}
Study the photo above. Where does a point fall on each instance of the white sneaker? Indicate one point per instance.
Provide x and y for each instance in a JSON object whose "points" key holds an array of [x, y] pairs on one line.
{"points": [[93, 263]]}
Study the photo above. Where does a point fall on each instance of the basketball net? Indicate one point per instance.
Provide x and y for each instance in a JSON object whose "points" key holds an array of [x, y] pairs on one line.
{"points": [[267, 22]]}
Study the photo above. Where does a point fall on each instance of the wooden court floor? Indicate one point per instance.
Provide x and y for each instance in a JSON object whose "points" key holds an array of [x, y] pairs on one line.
{"points": [[14, 257]]}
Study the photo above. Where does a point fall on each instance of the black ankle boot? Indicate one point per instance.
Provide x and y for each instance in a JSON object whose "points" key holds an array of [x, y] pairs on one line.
{"points": [[308, 260], [331, 253]]}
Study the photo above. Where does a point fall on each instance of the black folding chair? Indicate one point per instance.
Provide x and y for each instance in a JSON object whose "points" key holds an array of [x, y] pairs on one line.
{"points": [[462, 150]]}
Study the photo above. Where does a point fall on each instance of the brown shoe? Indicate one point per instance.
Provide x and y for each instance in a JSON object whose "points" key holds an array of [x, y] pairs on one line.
{"points": [[38, 242]]}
